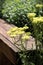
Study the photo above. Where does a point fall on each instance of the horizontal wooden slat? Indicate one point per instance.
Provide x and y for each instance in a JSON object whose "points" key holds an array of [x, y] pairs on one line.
{"points": [[8, 52], [4, 27]]}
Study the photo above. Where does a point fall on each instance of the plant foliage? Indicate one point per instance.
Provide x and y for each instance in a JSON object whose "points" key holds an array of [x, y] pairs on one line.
{"points": [[14, 11]]}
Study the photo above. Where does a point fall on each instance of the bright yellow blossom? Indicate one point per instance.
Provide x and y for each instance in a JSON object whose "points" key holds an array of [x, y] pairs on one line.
{"points": [[17, 31], [21, 29], [31, 15], [13, 35], [25, 37], [37, 19], [25, 27], [13, 28], [20, 32], [39, 5]]}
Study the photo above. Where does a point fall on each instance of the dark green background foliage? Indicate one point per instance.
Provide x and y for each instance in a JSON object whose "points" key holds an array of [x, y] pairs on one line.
{"points": [[1, 8], [14, 11], [32, 57], [39, 31]]}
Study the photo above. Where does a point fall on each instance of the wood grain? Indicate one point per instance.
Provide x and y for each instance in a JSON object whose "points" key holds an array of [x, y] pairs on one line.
{"points": [[4, 27]]}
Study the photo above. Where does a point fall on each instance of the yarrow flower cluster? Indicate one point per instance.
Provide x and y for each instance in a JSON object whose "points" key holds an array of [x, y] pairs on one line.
{"points": [[39, 5], [34, 19], [37, 23], [26, 36], [13, 32], [37, 19], [31, 15]]}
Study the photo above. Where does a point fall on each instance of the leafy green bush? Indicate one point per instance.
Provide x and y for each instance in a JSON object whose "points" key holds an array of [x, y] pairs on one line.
{"points": [[31, 57], [37, 23], [14, 11], [1, 8], [39, 9]]}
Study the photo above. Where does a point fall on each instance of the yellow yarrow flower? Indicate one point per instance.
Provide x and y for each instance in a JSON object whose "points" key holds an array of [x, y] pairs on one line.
{"points": [[20, 32], [13, 35], [37, 19], [39, 5], [13, 28], [25, 37], [25, 27], [13, 32], [28, 33], [31, 15], [21, 29]]}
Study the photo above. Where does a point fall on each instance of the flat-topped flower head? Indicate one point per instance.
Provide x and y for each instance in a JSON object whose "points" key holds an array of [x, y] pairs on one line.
{"points": [[13, 32], [13, 35], [37, 19], [25, 37], [21, 29], [20, 32], [25, 27], [31, 15], [13, 29], [28, 33], [39, 5]]}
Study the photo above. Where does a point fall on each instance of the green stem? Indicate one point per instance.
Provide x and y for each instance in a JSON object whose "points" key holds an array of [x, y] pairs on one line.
{"points": [[36, 44]]}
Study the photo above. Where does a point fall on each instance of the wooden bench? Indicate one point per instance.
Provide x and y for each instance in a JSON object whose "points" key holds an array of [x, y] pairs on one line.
{"points": [[7, 46]]}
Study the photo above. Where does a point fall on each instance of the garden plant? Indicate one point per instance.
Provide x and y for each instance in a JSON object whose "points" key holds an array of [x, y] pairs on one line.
{"points": [[27, 15]]}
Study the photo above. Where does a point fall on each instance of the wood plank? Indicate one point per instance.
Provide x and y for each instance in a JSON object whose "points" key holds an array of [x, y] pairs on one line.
{"points": [[6, 38], [7, 46], [8, 52], [4, 60], [4, 27]]}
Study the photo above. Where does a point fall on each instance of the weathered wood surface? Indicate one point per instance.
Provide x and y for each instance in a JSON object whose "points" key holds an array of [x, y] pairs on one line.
{"points": [[7, 46], [5, 37], [8, 52], [4, 27], [4, 60]]}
